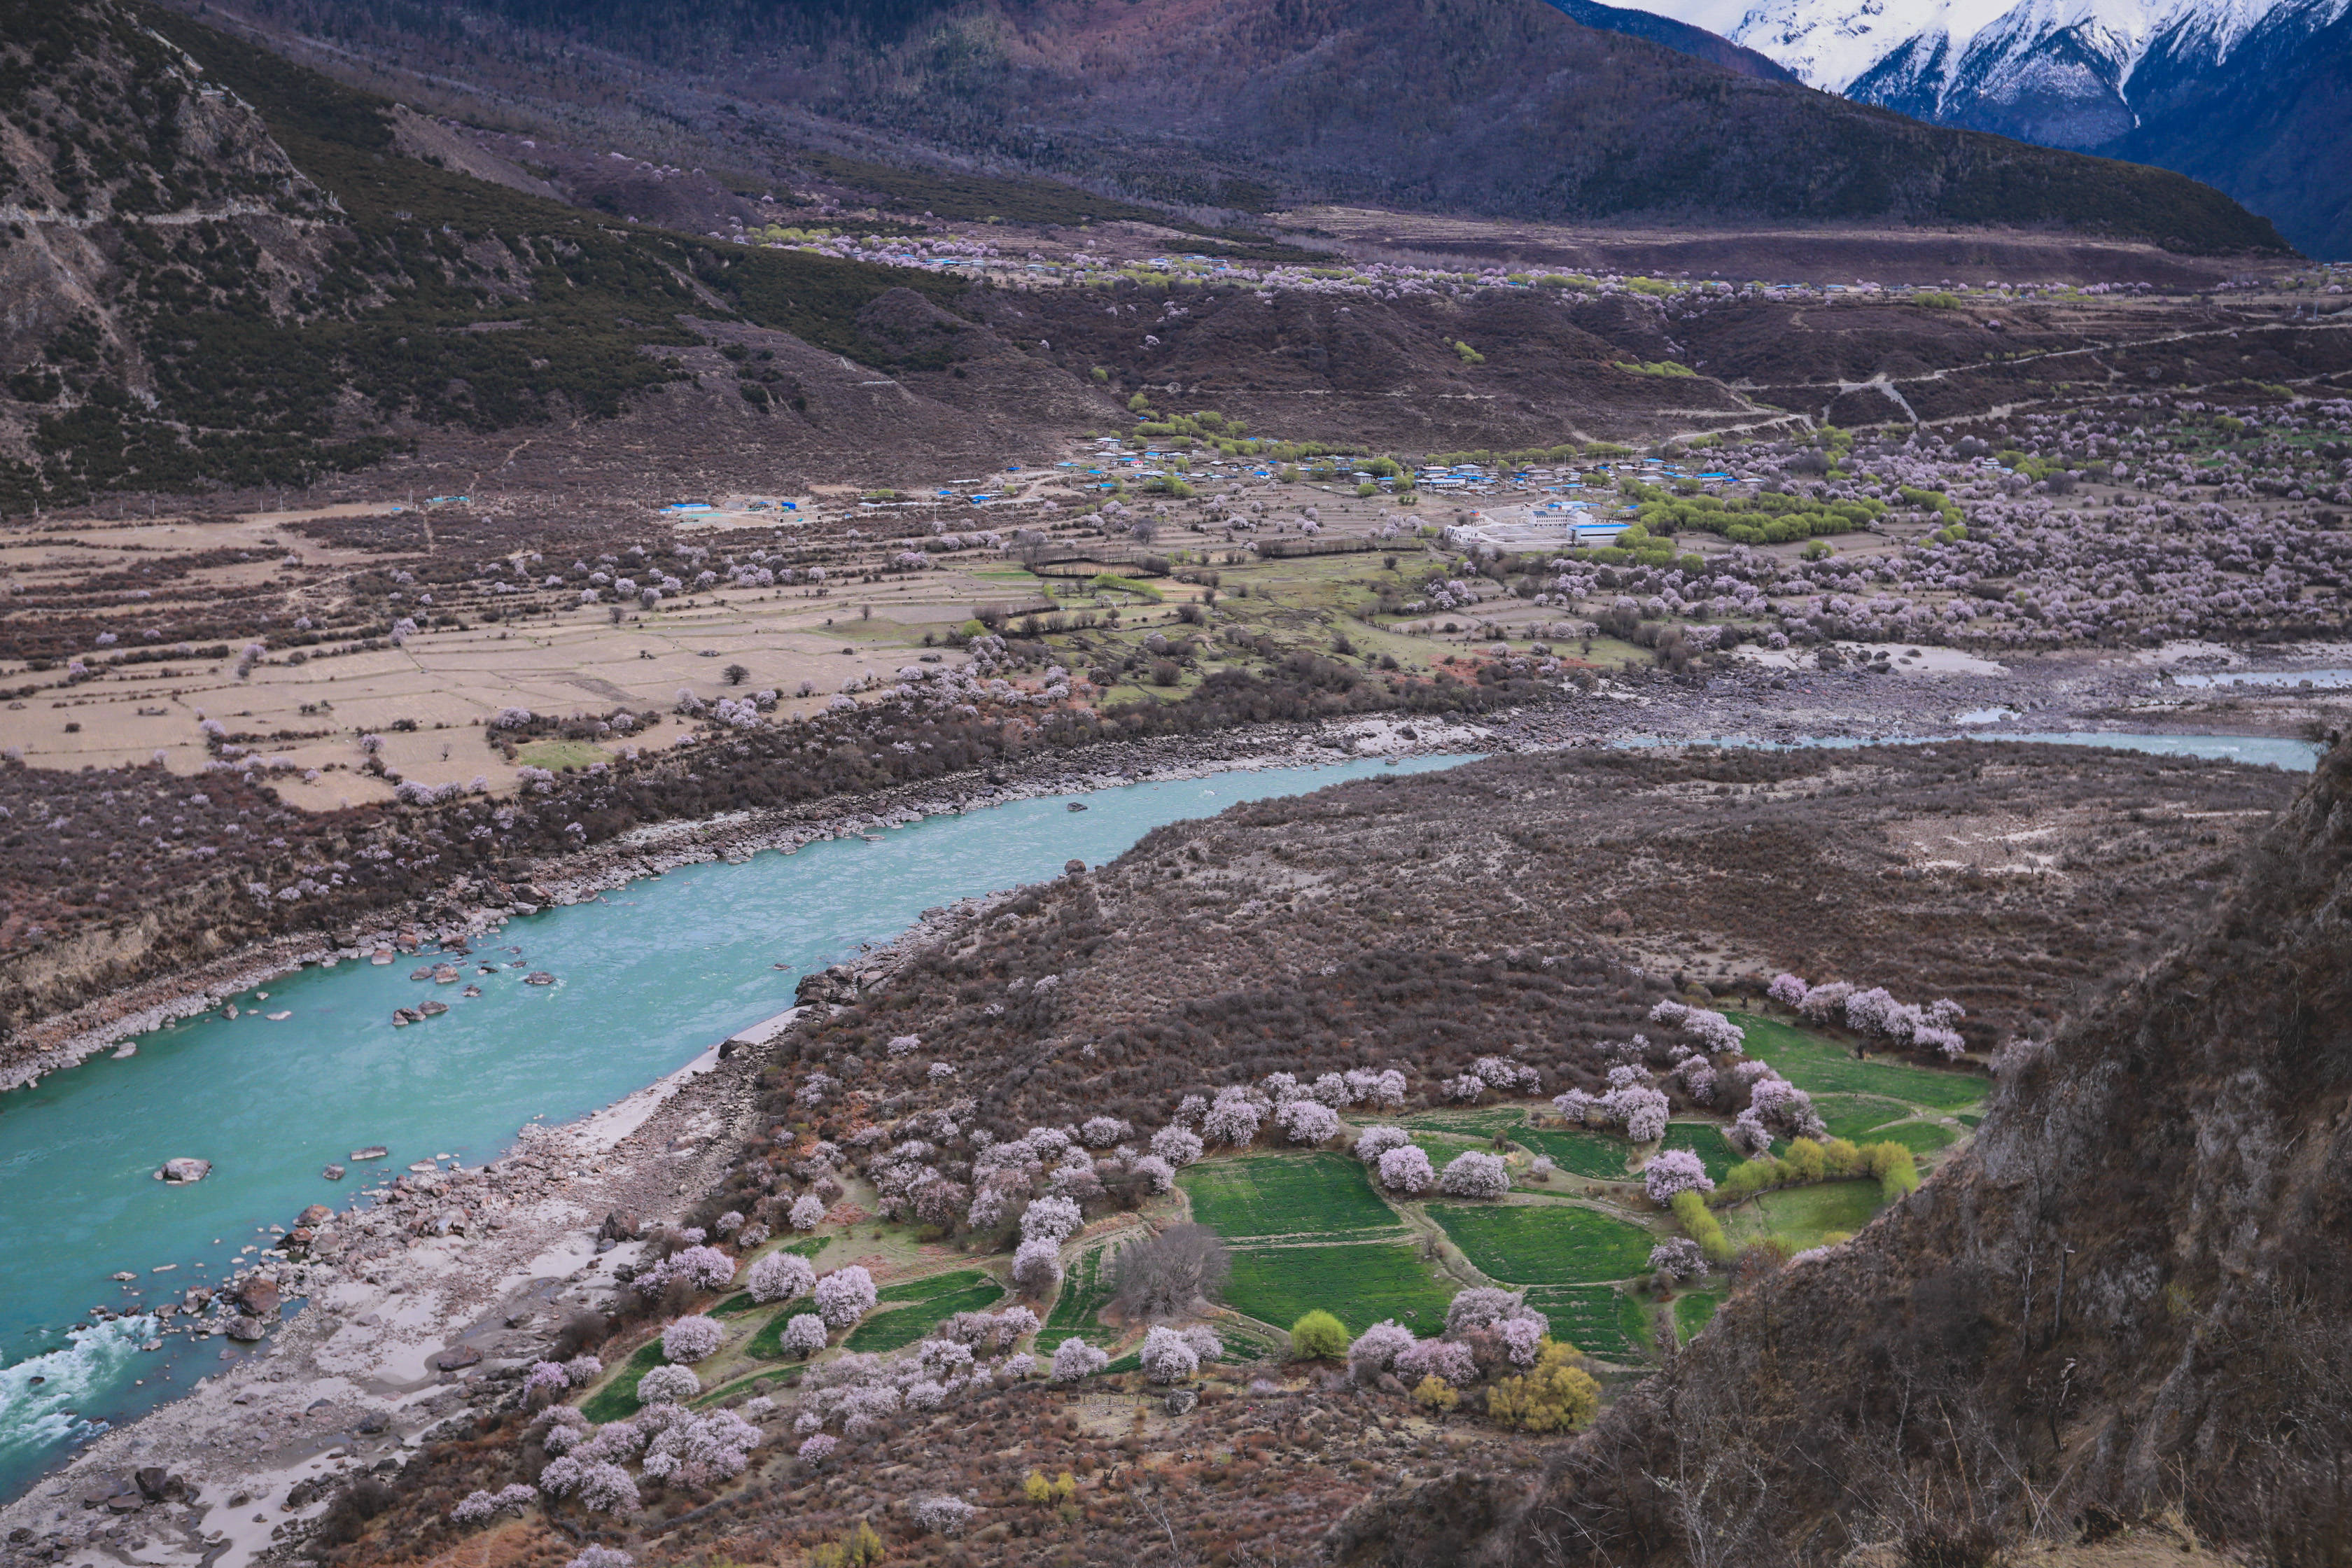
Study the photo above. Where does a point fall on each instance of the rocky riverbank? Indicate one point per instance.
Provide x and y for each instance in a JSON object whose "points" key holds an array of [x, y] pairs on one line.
{"points": [[425, 1301]]}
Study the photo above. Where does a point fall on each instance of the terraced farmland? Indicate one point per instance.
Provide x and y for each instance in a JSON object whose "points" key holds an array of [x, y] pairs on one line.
{"points": [[617, 1399], [1694, 1311], [1578, 1152], [1595, 1319], [1484, 1122], [1852, 1115], [930, 1301], [1819, 1065], [1803, 1216], [1316, 1195], [1545, 1242], [1919, 1137], [1706, 1139], [1085, 1289], [1360, 1283]]}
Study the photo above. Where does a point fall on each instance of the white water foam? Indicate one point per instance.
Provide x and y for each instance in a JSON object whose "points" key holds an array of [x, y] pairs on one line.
{"points": [[41, 1396]]}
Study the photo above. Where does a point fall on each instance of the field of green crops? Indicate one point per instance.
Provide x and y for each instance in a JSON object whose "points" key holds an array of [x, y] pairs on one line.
{"points": [[1694, 1312], [1360, 1283], [1544, 1243], [1085, 1288], [1919, 1137], [928, 1303], [1577, 1151], [1852, 1115], [1819, 1065], [1485, 1121], [1706, 1139], [1312, 1194], [1803, 1216], [617, 1399], [1596, 1319]]}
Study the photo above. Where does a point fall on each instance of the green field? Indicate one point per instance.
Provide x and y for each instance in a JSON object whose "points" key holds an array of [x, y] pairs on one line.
{"points": [[1706, 1139], [1802, 1216], [1545, 1243], [1694, 1312], [1487, 1120], [617, 1399], [888, 1330], [1578, 1152], [768, 1345], [1359, 1283], [1919, 1137], [1287, 1194], [768, 1380], [1852, 1115], [1971, 1118], [1823, 1066], [1596, 1319], [930, 1288], [1441, 1147], [1085, 1288]]}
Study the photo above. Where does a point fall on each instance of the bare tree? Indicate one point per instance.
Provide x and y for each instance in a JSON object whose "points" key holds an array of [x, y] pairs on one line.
{"points": [[1161, 1277]]}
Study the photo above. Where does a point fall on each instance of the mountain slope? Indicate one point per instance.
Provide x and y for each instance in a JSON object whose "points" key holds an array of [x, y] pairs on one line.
{"points": [[224, 272], [1679, 37], [2271, 122], [1503, 107], [2129, 1295], [2246, 94]]}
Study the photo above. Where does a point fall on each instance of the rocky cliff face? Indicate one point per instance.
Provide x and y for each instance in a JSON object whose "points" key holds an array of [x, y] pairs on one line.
{"points": [[2128, 1296]]}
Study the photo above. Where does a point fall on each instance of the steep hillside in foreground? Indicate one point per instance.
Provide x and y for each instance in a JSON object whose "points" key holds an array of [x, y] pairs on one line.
{"points": [[2129, 1295], [1502, 107]]}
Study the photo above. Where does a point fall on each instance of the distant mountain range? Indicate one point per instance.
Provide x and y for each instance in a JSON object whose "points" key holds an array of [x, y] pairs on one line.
{"points": [[1504, 107], [2252, 96]]}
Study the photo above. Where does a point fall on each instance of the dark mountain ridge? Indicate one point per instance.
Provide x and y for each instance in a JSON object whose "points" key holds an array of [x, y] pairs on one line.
{"points": [[1504, 107]]}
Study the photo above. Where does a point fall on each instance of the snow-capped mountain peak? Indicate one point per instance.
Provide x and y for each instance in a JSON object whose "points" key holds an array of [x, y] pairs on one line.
{"points": [[1834, 44]]}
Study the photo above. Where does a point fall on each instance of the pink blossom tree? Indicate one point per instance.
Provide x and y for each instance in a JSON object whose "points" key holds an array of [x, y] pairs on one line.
{"points": [[1407, 1170], [1473, 1174], [1167, 1357], [694, 1338], [1673, 1170], [845, 1296]]}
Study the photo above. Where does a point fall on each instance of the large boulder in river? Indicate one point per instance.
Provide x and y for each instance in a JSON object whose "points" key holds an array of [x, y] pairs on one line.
{"points": [[246, 1329], [258, 1295], [185, 1169]]}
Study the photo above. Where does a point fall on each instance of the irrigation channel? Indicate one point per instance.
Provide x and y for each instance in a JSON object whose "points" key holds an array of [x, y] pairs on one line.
{"points": [[649, 976]]}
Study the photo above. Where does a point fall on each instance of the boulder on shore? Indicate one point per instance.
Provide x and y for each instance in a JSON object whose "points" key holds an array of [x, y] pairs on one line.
{"points": [[246, 1329]]}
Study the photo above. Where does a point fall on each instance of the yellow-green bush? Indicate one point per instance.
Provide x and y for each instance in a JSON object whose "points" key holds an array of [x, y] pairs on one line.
{"points": [[1558, 1396], [1318, 1336], [1897, 1168], [1690, 1213]]}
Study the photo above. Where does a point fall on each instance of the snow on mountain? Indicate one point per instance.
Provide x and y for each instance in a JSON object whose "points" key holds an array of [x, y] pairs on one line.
{"points": [[1947, 45]]}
